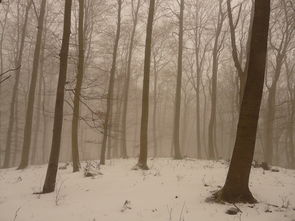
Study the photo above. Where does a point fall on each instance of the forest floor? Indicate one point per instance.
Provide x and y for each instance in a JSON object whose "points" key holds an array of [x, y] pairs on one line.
{"points": [[172, 190]]}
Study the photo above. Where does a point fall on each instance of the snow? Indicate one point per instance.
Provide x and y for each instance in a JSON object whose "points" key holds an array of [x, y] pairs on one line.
{"points": [[172, 190]]}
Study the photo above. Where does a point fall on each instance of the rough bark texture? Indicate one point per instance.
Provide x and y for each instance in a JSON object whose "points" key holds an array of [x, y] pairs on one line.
{"points": [[177, 154], [31, 97], [236, 188], [50, 179], [142, 161], [77, 91], [111, 88]]}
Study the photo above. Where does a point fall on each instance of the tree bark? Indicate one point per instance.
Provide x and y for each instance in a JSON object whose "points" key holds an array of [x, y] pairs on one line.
{"points": [[236, 187], [177, 154], [50, 179], [77, 91], [142, 161]]}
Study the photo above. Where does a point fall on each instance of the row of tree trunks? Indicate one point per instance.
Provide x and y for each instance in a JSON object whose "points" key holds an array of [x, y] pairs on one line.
{"points": [[281, 48], [15, 88], [31, 96], [218, 42], [108, 116], [128, 77]]}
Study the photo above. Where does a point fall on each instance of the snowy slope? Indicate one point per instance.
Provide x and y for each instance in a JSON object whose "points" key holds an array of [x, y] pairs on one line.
{"points": [[170, 191]]}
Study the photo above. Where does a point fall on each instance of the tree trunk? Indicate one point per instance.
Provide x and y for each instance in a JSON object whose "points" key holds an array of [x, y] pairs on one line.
{"points": [[271, 111], [31, 98], [126, 89], [45, 123], [236, 188], [177, 154], [142, 161], [155, 109], [15, 88], [3, 26], [212, 123], [77, 91], [40, 83], [50, 179], [111, 87]]}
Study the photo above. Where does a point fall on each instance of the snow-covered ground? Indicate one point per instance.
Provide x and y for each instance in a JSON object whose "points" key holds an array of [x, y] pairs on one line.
{"points": [[170, 191]]}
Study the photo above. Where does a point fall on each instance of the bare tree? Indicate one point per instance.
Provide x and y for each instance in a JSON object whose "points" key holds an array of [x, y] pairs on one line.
{"points": [[128, 76], [177, 154], [280, 46], [111, 86], [15, 87], [218, 44], [31, 98], [236, 187], [142, 161], [50, 179], [77, 91]]}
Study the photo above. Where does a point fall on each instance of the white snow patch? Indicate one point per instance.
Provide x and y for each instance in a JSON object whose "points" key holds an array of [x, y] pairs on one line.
{"points": [[172, 190]]}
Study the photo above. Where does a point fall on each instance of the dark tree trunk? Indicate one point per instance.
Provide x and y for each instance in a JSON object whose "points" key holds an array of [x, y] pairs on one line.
{"points": [[15, 88], [236, 188], [31, 97], [77, 91], [177, 154], [50, 179], [142, 161], [111, 88]]}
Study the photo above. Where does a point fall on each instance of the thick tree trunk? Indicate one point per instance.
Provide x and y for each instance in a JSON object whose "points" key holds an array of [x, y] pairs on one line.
{"points": [[50, 179], [31, 96], [142, 161], [77, 91], [236, 188], [177, 154], [15, 88], [111, 87]]}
